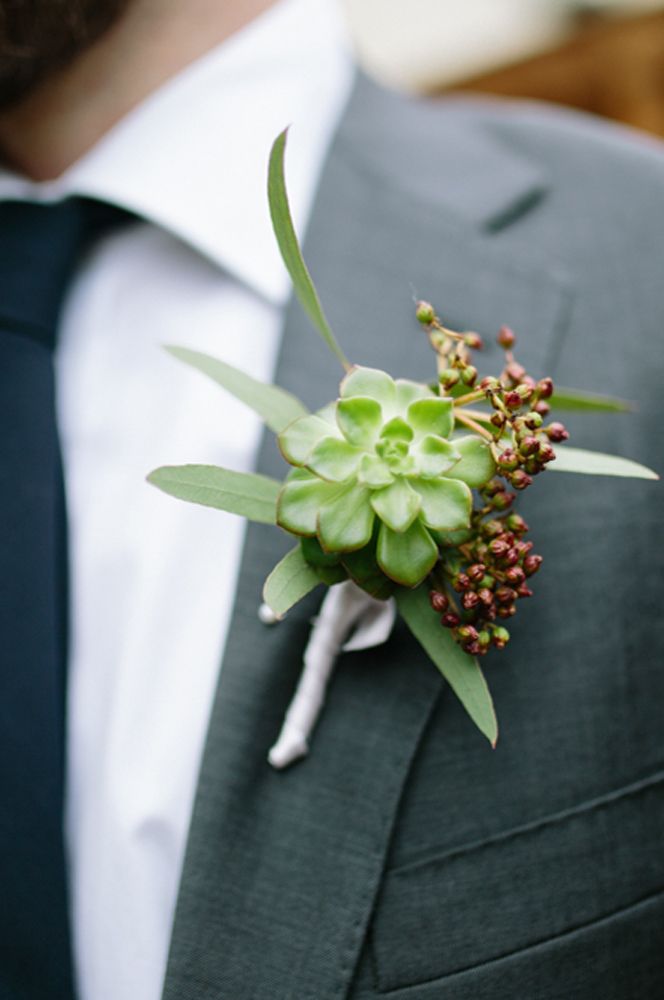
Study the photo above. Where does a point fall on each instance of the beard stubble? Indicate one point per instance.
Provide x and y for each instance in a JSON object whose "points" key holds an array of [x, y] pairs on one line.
{"points": [[40, 37]]}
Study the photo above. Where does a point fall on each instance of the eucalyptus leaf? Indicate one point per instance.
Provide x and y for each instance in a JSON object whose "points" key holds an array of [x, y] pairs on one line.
{"points": [[575, 399], [596, 463], [276, 407], [290, 580], [245, 493], [284, 231], [461, 671]]}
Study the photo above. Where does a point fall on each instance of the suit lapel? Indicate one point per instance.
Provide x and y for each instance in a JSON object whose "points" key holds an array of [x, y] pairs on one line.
{"points": [[282, 868]]}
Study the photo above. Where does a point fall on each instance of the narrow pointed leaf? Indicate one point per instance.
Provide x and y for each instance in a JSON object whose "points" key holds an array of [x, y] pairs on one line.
{"points": [[460, 670], [596, 463], [575, 399], [244, 493], [284, 231], [276, 407], [290, 581]]}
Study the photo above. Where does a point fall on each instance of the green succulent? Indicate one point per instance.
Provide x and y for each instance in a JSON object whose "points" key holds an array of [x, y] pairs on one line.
{"points": [[379, 467]]}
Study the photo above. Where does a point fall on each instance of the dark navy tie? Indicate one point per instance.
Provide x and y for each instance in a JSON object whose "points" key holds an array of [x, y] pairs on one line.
{"points": [[40, 246]]}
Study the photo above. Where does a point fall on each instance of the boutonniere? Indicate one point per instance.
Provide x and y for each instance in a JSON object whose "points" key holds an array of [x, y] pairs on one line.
{"points": [[399, 495]]}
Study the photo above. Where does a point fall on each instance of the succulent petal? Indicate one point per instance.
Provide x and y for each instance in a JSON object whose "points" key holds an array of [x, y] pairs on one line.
{"points": [[299, 439], [316, 556], [407, 557], [370, 382], [475, 465], [434, 456], [431, 416], [397, 429], [446, 503], [299, 500], [328, 413], [346, 522], [374, 472], [397, 505], [334, 459], [408, 392], [360, 419]]}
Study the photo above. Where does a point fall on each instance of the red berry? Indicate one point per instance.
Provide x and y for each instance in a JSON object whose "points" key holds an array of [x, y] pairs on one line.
{"points": [[439, 601], [505, 595], [450, 619], [506, 338], [556, 432], [473, 340], [531, 564], [545, 388], [515, 575], [476, 572], [514, 371], [470, 600]]}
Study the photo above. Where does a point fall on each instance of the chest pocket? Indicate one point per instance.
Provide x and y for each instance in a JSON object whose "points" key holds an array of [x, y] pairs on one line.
{"points": [[451, 913]]}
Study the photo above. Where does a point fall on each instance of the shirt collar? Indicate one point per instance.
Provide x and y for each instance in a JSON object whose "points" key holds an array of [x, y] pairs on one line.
{"points": [[192, 157]]}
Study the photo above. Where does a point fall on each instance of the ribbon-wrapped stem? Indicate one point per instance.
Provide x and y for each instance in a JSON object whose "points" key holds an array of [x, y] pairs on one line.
{"points": [[344, 608]]}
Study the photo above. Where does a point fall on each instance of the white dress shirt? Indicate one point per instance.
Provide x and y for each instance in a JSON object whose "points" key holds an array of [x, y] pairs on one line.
{"points": [[153, 579]]}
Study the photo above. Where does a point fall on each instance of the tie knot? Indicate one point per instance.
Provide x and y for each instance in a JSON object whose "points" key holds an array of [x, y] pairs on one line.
{"points": [[40, 245]]}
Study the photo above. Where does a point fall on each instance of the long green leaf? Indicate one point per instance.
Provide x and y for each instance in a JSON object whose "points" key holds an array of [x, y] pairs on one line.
{"points": [[462, 672], [596, 463], [245, 493], [290, 581], [282, 223], [576, 399], [276, 407]]}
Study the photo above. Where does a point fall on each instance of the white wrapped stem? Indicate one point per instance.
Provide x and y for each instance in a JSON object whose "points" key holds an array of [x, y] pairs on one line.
{"points": [[344, 607]]}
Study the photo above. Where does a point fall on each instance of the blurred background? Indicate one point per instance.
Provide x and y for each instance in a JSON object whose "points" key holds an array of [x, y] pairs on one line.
{"points": [[603, 56]]}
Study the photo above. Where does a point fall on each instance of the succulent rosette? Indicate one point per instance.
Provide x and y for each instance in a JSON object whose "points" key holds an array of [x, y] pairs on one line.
{"points": [[380, 468]]}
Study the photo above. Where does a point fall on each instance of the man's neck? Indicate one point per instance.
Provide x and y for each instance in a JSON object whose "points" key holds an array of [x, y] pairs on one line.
{"points": [[153, 41]]}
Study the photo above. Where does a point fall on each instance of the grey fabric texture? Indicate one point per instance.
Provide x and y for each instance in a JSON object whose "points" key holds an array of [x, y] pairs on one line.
{"points": [[403, 857]]}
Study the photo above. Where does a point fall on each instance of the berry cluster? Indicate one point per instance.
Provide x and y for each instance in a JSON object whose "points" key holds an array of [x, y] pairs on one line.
{"points": [[520, 406], [489, 573], [477, 583]]}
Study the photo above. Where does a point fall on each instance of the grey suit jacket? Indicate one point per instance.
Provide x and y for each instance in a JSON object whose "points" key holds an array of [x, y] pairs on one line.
{"points": [[404, 858]]}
